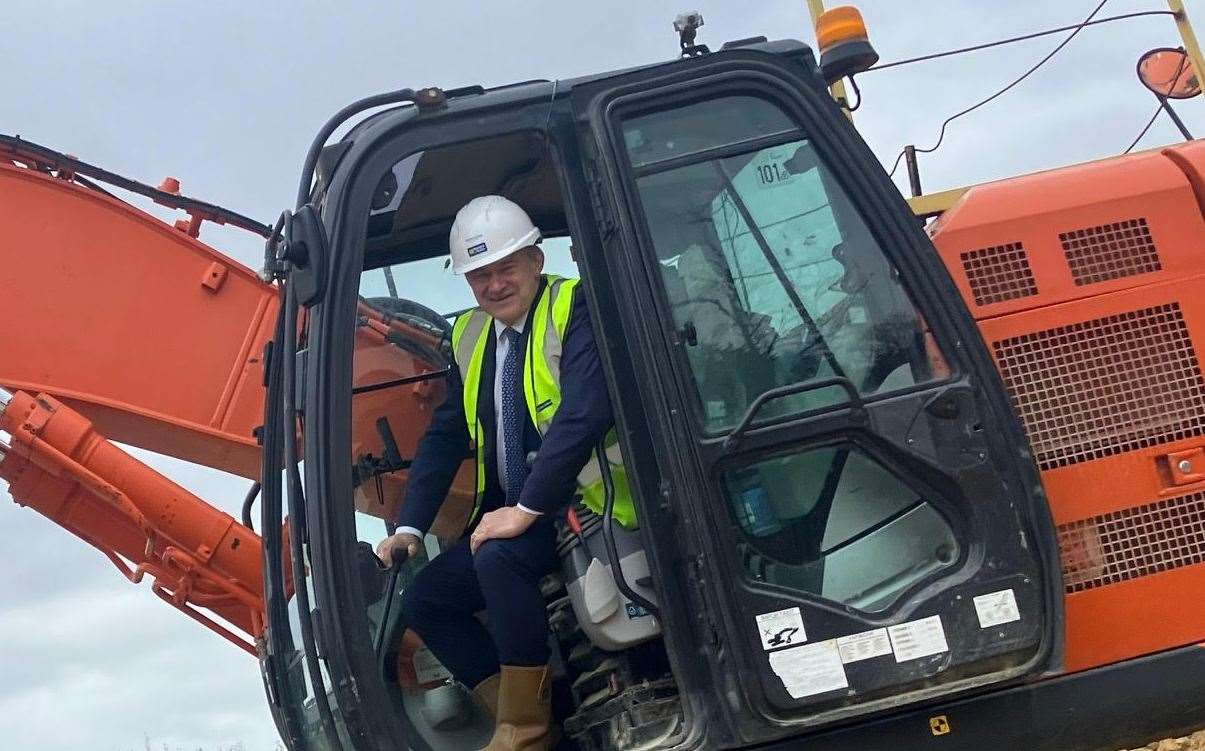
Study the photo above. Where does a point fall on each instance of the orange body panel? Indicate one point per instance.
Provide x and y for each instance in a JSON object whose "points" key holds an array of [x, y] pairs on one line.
{"points": [[1089, 289]]}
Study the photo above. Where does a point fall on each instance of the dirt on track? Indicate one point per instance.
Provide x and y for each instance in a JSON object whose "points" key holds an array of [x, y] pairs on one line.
{"points": [[1194, 742]]}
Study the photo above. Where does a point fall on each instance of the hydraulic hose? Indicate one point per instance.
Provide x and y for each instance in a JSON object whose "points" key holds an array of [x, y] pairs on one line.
{"points": [[252, 494], [340, 117]]}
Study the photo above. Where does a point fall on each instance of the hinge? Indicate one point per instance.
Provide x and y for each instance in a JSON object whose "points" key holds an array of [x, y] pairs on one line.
{"points": [[663, 492], [706, 623], [602, 213]]}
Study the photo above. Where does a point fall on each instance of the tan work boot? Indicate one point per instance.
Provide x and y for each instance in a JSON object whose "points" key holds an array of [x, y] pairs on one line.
{"points": [[487, 693], [524, 710]]}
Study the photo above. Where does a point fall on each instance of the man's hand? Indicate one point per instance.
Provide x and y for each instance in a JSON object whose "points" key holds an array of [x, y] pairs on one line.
{"points": [[400, 541], [502, 524]]}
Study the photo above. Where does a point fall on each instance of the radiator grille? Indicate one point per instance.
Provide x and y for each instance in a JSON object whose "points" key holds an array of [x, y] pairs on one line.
{"points": [[1110, 251], [999, 273], [1132, 543], [1102, 387]]}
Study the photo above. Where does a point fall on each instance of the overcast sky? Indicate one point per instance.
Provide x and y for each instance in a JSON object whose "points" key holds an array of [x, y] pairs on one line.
{"points": [[227, 95]]}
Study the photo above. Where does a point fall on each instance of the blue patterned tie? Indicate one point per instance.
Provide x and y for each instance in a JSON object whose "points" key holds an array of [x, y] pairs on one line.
{"points": [[512, 424]]}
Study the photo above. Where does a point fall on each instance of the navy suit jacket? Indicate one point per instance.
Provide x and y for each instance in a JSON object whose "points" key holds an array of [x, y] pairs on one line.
{"points": [[583, 418]]}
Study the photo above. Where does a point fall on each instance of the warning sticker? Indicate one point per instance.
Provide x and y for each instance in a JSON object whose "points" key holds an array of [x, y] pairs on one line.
{"points": [[810, 669], [916, 639], [863, 646], [782, 628], [997, 608]]}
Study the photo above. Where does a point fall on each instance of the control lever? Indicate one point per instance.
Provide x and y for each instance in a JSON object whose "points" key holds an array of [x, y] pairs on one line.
{"points": [[391, 460], [392, 456], [395, 569], [621, 581]]}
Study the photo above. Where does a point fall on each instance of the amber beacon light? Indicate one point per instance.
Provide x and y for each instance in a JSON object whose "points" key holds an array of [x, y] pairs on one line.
{"points": [[844, 44]]}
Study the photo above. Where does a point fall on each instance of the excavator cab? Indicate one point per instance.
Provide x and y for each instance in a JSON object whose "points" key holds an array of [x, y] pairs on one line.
{"points": [[839, 525]]}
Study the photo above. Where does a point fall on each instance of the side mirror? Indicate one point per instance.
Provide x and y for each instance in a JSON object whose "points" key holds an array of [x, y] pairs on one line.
{"points": [[297, 247], [844, 44], [1169, 73]]}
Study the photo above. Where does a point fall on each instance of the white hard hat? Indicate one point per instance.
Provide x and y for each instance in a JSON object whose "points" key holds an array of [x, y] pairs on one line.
{"points": [[488, 229]]}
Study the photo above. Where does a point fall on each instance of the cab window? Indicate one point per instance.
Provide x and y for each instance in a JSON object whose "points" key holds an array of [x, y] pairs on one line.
{"points": [[770, 276]]}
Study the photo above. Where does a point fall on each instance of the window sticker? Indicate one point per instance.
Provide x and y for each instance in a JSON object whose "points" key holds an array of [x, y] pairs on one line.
{"points": [[997, 608], [865, 645], [782, 628], [916, 639], [810, 669]]}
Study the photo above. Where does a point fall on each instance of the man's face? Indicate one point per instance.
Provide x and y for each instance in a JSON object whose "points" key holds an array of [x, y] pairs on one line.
{"points": [[506, 289]]}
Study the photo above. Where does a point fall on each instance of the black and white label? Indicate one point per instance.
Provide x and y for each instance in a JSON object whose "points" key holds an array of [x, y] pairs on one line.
{"points": [[810, 669], [916, 639], [997, 608], [782, 628], [865, 645]]}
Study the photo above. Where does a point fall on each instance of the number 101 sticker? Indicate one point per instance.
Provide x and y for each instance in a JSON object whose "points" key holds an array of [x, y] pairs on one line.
{"points": [[771, 169]]}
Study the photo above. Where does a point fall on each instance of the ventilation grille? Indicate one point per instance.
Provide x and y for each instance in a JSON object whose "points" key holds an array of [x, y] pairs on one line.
{"points": [[1132, 543], [1110, 251], [999, 273], [1102, 387]]}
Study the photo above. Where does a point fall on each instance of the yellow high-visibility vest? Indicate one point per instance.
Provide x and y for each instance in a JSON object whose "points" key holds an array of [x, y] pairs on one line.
{"points": [[541, 389]]}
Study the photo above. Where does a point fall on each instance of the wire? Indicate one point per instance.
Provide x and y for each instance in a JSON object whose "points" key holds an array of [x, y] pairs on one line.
{"points": [[941, 135], [1144, 130], [1011, 40], [854, 85]]}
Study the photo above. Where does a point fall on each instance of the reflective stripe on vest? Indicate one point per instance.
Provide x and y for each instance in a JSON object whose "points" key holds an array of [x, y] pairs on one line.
{"points": [[541, 390]]}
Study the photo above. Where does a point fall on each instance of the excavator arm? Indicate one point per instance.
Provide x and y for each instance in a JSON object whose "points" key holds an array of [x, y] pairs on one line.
{"points": [[152, 335], [119, 327]]}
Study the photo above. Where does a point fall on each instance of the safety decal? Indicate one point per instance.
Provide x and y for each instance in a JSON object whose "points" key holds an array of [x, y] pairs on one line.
{"points": [[477, 250], [634, 611], [940, 725], [916, 639], [863, 646], [996, 608], [810, 669], [782, 628]]}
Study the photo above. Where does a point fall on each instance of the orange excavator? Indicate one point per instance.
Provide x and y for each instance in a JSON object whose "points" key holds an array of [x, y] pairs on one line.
{"points": [[898, 485]]}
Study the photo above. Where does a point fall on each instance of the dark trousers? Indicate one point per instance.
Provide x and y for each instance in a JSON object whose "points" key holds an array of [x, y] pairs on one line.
{"points": [[503, 578]]}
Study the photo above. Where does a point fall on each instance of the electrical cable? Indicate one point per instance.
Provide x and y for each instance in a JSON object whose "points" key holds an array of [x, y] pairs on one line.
{"points": [[1149, 123], [1011, 40], [854, 85], [942, 134]]}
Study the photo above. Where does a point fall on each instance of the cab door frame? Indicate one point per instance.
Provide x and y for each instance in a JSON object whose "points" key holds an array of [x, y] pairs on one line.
{"points": [[789, 77]]}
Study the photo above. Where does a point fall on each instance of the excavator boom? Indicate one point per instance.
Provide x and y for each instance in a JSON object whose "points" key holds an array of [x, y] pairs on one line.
{"points": [[120, 327], [154, 336]]}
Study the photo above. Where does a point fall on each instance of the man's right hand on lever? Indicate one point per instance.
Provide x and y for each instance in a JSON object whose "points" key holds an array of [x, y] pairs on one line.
{"points": [[399, 541]]}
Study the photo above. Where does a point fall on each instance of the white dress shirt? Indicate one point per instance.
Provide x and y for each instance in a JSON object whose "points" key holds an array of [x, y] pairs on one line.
{"points": [[500, 351]]}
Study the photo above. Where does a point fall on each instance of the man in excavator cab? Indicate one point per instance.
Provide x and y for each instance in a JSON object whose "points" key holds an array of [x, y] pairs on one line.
{"points": [[533, 427]]}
